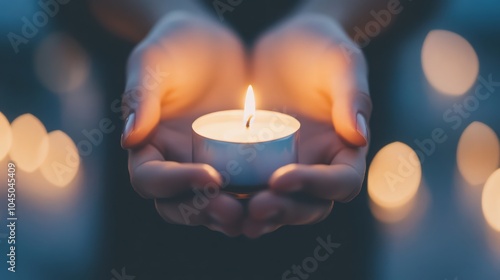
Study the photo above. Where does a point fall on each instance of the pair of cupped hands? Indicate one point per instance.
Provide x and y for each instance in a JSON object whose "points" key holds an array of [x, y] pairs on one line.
{"points": [[190, 65]]}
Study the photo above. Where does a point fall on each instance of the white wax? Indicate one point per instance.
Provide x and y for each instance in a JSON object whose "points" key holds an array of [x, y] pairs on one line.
{"points": [[229, 126]]}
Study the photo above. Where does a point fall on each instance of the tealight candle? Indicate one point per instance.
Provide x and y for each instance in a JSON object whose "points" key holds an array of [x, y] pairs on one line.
{"points": [[245, 146]]}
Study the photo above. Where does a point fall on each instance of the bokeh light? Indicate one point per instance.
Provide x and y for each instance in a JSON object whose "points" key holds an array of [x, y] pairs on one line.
{"points": [[392, 215], [62, 162], [29, 142], [394, 176], [5, 136], [449, 62], [405, 218], [61, 64], [491, 200], [42, 192], [478, 153]]}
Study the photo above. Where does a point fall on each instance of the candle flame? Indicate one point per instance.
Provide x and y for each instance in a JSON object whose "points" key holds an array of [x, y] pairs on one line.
{"points": [[249, 113]]}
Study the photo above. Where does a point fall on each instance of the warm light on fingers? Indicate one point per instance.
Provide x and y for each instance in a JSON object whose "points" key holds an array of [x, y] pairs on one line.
{"points": [[29, 142]]}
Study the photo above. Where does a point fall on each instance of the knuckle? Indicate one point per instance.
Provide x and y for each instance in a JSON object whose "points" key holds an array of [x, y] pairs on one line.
{"points": [[349, 55]]}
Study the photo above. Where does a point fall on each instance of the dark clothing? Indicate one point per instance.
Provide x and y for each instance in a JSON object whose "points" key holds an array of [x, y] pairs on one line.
{"points": [[251, 17]]}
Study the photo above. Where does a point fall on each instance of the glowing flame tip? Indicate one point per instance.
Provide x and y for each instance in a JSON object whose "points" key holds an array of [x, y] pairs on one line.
{"points": [[249, 112]]}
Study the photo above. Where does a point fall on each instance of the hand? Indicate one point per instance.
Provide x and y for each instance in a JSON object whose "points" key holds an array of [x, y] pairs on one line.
{"points": [[309, 68], [184, 68]]}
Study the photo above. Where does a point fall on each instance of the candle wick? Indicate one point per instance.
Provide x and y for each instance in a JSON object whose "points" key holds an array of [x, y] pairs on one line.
{"points": [[249, 119]]}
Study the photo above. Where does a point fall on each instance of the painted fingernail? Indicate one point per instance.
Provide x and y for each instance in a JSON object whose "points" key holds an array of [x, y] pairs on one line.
{"points": [[128, 128], [361, 126]]}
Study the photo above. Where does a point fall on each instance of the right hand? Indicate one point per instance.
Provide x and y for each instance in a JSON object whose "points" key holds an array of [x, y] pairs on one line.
{"points": [[186, 67], [309, 68]]}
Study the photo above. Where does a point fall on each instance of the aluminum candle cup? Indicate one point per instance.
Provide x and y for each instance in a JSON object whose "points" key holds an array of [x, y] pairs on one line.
{"points": [[245, 154]]}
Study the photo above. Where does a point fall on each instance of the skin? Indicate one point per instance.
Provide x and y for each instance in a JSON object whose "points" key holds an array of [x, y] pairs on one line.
{"points": [[324, 89], [187, 49], [309, 63]]}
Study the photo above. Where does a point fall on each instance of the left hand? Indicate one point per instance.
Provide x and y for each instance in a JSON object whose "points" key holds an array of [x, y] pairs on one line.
{"points": [[180, 71], [309, 68]]}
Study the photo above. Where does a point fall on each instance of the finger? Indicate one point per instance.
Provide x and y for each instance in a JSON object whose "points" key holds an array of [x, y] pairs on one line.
{"points": [[217, 211], [347, 82], [152, 177], [341, 181], [268, 211], [227, 215], [256, 229], [143, 93]]}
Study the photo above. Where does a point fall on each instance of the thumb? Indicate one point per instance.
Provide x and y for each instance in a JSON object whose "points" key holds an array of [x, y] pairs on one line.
{"points": [[351, 101], [350, 117], [141, 103]]}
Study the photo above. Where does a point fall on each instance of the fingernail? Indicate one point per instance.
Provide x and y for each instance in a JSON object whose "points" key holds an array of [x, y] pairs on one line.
{"points": [[128, 128], [361, 126]]}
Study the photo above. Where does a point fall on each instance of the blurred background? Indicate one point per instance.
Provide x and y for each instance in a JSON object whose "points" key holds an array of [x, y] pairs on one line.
{"points": [[430, 208]]}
